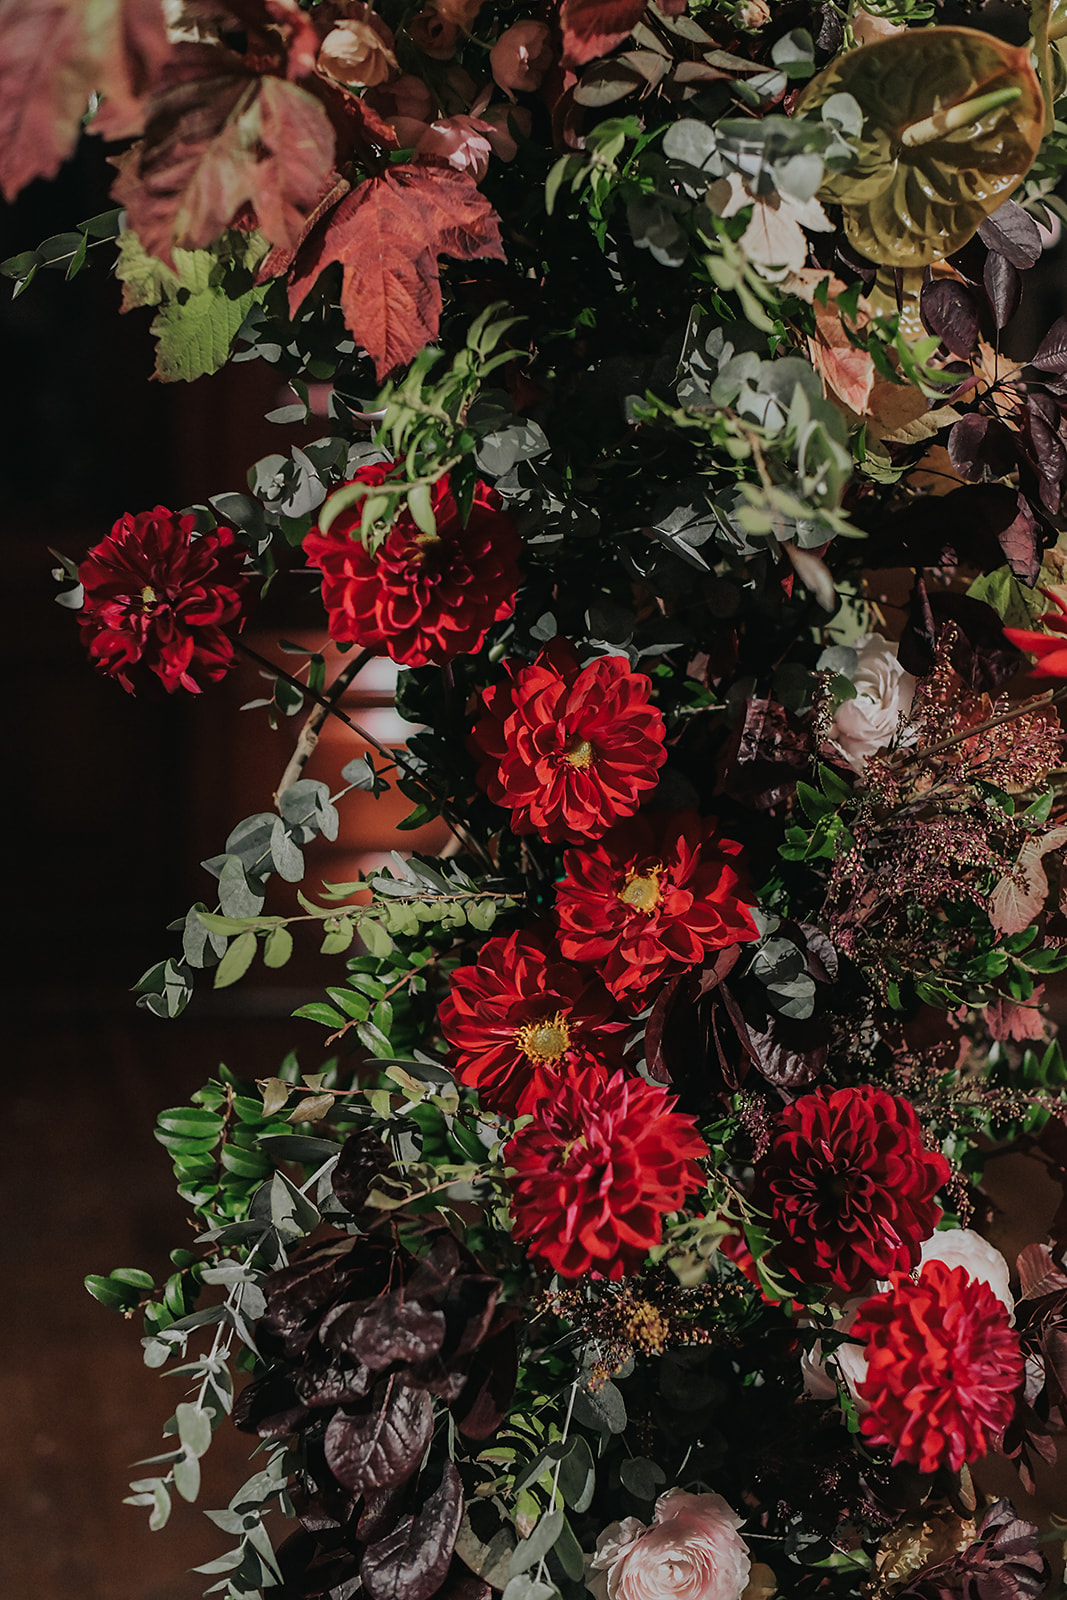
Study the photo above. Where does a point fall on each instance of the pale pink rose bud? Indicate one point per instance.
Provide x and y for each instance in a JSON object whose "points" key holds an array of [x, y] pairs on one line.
{"points": [[358, 53], [433, 33], [461, 12], [500, 121], [692, 1551], [868, 723], [851, 1360], [461, 141], [521, 56], [753, 14]]}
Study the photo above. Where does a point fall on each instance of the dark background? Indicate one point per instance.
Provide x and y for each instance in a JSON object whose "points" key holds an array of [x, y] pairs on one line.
{"points": [[110, 802]]}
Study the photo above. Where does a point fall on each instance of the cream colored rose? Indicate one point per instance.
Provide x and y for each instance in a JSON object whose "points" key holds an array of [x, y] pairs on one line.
{"points": [[961, 1247], [868, 723], [692, 1551], [851, 1360], [358, 53]]}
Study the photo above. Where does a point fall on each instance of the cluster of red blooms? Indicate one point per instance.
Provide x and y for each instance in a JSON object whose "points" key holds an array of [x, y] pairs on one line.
{"points": [[542, 1024]]}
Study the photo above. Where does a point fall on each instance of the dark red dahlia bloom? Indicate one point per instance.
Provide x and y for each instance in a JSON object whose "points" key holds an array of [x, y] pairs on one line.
{"points": [[418, 599], [569, 749], [655, 896], [159, 598], [943, 1365], [522, 1018], [603, 1161], [849, 1186]]}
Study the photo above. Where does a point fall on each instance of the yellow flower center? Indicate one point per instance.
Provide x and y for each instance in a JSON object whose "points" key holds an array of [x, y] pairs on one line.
{"points": [[578, 753], [545, 1041], [642, 891], [148, 597]]}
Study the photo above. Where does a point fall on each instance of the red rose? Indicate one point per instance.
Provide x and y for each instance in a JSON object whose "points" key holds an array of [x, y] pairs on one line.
{"points": [[522, 1018], [943, 1365], [656, 896], [159, 597], [603, 1161], [419, 599], [569, 749], [849, 1187]]}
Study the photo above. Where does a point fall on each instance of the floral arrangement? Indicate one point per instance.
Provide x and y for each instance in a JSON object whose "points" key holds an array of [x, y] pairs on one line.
{"points": [[626, 1235]]}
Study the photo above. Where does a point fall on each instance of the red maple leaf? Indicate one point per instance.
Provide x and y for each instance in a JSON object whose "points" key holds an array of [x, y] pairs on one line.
{"points": [[387, 235], [53, 55], [221, 137], [593, 27]]}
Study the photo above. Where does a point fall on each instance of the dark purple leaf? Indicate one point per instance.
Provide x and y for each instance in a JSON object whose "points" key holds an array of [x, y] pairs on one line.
{"points": [[461, 1584], [270, 1407], [654, 1029], [1049, 456], [334, 1383], [298, 1295], [948, 309], [1022, 545], [947, 530], [411, 1562], [773, 750], [981, 447], [381, 1512], [383, 1449], [1013, 234], [979, 652], [1004, 286], [363, 1159], [970, 260], [379, 1332], [482, 1406], [1051, 355], [1039, 1275], [469, 1311]]}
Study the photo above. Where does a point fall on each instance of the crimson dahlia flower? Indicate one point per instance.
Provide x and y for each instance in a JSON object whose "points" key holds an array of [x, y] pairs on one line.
{"points": [[569, 749], [849, 1186], [159, 598], [943, 1365], [420, 599], [522, 1018], [603, 1161], [657, 895]]}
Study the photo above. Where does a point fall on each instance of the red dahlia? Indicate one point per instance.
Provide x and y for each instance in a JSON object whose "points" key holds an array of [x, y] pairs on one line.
{"points": [[603, 1161], [943, 1365], [849, 1186], [420, 599], [568, 748], [521, 1019], [657, 895], [159, 598]]}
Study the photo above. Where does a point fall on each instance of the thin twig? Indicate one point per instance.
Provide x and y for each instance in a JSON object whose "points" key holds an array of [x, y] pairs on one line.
{"points": [[309, 733]]}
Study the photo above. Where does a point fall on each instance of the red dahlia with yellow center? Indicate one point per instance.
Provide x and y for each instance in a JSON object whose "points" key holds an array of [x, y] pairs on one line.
{"points": [[521, 1019], [943, 1365], [605, 1158], [420, 599], [162, 599], [849, 1187], [569, 749], [657, 895]]}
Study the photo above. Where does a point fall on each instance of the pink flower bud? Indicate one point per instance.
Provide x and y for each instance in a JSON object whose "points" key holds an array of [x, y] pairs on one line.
{"points": [[461, 141], [358, 52], [521, 56]]}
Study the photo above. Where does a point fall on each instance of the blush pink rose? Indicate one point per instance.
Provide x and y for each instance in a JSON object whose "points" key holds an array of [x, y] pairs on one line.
{"points": [[521, 56], [692, 1551], [461, 141], [868, 723]]}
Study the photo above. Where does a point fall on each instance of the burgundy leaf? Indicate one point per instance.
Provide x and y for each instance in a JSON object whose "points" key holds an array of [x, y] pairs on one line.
{"points": [[948, 309], [298, 1295], [381, 1331], [388, 235], [1022, 545], [1004, 286], [220, 138], [269, 1407], [1049, 456], [411, 1562], [1013, 234], [1038, 1272], [53, 55], [1051, 355], [383, 1449], [979, 652], [654, 1029], [381, 1512], [981, 447], [363, 1160], [334, 1383], [461, 1584], [593, 27], [482, 1406]]}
